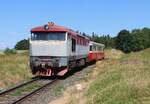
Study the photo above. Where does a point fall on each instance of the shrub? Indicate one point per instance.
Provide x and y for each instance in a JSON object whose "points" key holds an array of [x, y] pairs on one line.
{"points": [[22, 45], [10, 51]]}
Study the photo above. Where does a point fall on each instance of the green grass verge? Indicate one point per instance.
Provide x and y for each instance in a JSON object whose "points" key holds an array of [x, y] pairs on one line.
{"points": [[58, 89], [13, 69], [122, 80]]}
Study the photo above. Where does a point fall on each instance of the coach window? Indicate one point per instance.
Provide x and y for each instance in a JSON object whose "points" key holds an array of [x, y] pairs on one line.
{"points": [[73, 45], [94, 48], [101, 48]]}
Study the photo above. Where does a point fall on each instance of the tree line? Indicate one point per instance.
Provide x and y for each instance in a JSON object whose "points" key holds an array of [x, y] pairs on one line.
{"points": [[127, 41], [136, 40]]}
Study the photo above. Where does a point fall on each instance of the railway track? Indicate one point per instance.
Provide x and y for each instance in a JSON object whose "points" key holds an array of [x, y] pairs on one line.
{"points": [[24, 91]]}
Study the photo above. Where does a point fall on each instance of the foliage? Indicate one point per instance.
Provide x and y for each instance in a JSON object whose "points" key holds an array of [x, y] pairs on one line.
{"points": [[22, 45], [136, 40], [104, 39], [133, 41], [124, 41], [10, 51]]}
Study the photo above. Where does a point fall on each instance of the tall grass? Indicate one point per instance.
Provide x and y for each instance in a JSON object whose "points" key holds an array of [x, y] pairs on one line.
{"points": [[13, 69], [122, 79]]}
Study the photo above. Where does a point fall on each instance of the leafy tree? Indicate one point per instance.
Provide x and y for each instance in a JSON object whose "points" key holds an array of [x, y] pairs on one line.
{"points": [[137, 40], [22, 45], [124, 41]]}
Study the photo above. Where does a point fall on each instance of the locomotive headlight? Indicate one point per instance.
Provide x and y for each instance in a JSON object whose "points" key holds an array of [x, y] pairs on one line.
{"points": [[46, 27]]}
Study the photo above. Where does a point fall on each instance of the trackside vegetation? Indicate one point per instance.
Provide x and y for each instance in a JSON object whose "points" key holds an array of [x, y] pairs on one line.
{"points": [[127, 41], [121, 79], [13, 69], [136, 40]]}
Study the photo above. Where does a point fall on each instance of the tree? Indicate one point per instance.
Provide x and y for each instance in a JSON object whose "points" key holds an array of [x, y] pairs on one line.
{"points": [[145, 33], [124, 41], [137, 40], [141, 38], [22, 45]]}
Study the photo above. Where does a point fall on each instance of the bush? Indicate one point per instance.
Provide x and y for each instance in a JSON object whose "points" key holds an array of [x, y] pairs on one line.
{"points": [[10, 51], [22, 45]]}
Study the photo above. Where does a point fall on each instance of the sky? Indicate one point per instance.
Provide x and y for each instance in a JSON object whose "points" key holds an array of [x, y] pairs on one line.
{"points": [[17, 17]]}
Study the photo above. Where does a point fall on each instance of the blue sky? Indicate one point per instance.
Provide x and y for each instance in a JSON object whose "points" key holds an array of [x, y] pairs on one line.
{"points": [[17, 17]]}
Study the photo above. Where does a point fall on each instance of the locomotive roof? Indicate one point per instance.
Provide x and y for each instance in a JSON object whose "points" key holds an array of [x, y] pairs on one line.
{"points": [[51, 27]]}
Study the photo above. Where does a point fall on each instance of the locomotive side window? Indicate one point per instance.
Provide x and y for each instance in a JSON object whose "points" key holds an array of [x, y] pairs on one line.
{"points": [[73, 45], [48, 36]]}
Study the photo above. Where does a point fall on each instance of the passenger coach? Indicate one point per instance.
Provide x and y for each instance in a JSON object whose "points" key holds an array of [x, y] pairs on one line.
{"points": [[96, 51]]}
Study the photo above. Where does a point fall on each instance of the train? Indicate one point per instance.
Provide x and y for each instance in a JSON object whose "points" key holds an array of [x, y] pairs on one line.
{"points": [[55, 50]]}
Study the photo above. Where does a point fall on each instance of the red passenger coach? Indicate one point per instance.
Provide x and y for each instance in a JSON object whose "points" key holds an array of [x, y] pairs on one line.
{"points": [[96, 51]]}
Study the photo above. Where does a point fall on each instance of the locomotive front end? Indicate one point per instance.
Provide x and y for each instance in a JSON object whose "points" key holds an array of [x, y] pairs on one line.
{"points": [[48, 50]]}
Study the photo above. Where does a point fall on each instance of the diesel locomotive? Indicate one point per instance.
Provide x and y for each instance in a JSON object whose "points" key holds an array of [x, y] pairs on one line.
{"points": [[54, 50]]}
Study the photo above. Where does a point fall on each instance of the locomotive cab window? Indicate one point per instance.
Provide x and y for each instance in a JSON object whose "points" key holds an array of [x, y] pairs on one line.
{"points": [[48, 36]]}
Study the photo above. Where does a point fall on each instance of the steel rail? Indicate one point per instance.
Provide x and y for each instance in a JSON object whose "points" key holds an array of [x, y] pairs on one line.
{"points": [[19, 86], [33, 92]]}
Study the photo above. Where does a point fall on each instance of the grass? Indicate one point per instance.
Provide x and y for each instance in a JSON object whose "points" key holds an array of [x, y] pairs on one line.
{"points": [[58, 90], [13, 69], [122, 79]]}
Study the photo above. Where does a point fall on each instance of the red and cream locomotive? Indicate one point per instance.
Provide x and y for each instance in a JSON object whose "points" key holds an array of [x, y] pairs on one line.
{"points": [[54, 50]]}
